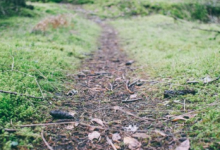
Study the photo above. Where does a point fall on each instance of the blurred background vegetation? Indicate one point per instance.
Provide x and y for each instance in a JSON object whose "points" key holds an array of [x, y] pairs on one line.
{"points": [[203, 10]]}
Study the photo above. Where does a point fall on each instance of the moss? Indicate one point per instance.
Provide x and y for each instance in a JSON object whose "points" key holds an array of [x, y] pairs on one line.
{"points": [[29, 59]]}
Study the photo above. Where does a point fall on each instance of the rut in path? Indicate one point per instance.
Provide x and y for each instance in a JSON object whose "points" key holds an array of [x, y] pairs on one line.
{"points": [[109, 91]]}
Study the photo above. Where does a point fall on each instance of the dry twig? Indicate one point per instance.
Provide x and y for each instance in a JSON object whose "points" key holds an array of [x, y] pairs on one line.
{"points": [[126, 86], [131, 100], [42, 136], [59, 123], [110, 142], [10, 130], [129, 113], [14, 93]]}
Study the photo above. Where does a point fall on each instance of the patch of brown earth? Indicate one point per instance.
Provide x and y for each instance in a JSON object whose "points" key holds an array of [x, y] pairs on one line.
{"points": [[111, 109]]}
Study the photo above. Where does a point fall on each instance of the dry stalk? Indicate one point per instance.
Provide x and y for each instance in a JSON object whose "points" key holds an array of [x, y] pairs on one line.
{"points": [[126, 86], [46, 143], [14, 93], [59, 123], [110, 142]]}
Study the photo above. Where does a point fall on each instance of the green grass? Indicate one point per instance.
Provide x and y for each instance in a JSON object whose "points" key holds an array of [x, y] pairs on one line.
{"points": [[186, 9], [45, 58], [172, 52]]}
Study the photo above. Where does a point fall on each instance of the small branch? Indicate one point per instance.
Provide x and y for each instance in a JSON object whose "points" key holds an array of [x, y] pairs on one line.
{"points": [[59, 123], [128, 113], [100, 74], [35, 80], [13, 61], [184, 105], [111, 86], [207, 30], [110, 142], [14, 93], [126, 86], [133, 83], [195, 82], [42, 136], [39, 88], [131, 100], [10, 130]]}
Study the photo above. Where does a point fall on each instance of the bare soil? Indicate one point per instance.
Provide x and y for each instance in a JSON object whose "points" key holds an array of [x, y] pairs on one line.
{"points": [[109, 90]]}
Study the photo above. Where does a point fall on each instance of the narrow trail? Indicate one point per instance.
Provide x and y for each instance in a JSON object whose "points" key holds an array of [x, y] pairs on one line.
{"points": [[109, 102]]}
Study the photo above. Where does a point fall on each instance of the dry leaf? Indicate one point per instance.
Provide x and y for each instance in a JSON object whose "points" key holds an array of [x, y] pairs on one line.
{"points": [[132, 143], [69, 127], [118, 79], [184, 145], [117, 108], [99, 121], [131, 128], [141, 135], [160, 132], [116, 137], [133, 96], [72, 113], [117, 146], [177, 118], [91, 128], [76, 124], [94, 135]]}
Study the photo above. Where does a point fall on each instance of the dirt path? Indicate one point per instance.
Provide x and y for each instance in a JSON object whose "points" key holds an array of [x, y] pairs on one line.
{"points": [[109, 102]]}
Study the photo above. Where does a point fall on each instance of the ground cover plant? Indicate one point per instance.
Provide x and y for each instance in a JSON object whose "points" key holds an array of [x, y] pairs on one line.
{"points": [[172, 53], [163, 95], [36, 63]]}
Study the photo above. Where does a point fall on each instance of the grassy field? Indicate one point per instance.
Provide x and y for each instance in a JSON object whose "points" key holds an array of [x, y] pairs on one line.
{"points": [[36, 64], [173, 52]]}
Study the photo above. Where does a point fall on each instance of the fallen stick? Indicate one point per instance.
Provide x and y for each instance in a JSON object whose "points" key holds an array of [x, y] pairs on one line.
{"points": [[126, 86], [111, 86], [207, 30], [46, 143], [14, 93], [195, 82], [100, 74], [110, 142], [10, 130], [131, 100], [130, 85], [59, 123], [126, 112]]}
